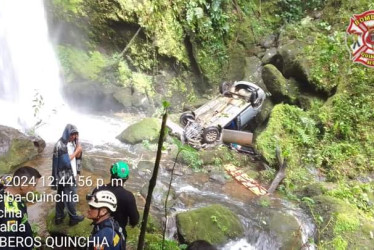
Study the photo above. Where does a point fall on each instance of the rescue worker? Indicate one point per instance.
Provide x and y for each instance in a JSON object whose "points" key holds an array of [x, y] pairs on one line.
{"points": [[14, 224], [127, 211], [63, 172], [106, 233]]}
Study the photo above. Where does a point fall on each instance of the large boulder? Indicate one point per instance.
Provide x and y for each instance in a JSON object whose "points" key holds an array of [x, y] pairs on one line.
{"points": [[17, 148], [294, 64], [343, 225], [215, 224], [146, 129], [280, 88], [284, 226]]}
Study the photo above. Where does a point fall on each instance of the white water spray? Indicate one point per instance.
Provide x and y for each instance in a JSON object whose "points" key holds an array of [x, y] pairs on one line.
{"points": [[29, 79], [29, 72]]}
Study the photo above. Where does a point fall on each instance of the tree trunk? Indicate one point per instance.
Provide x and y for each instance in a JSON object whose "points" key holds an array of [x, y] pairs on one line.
{"points": [[152, 184]]}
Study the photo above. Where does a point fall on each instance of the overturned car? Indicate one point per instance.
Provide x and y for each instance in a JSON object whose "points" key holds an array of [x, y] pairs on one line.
{"points": [[238, 103]]}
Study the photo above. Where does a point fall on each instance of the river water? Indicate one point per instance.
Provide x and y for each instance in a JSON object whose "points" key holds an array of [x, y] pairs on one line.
{"points": [[191, 190], [30, 100]]}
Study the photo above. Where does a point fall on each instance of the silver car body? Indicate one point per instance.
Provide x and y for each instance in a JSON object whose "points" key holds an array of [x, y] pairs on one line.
{"points": [[237, 105]]}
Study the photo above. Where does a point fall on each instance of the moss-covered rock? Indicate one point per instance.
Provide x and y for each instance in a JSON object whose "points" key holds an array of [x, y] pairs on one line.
{"points": [[341, 225], [215, 224], [146, 129], [294, 65], [279, 87], [15, 148]]}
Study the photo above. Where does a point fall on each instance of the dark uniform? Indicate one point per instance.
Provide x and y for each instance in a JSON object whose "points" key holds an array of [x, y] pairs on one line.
{"points": [[14, 223], [126, 212], [109, 235]]}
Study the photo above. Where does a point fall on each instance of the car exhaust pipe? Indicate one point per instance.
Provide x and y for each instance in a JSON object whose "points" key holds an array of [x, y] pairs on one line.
{"points": [[238, 137]]}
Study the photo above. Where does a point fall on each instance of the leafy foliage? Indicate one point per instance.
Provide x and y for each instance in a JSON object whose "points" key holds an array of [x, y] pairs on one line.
{"points": [[294, 10], [191, 157]]}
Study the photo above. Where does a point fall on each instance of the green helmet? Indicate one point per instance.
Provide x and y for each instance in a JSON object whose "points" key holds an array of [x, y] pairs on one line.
{"points": [[120, 169]]}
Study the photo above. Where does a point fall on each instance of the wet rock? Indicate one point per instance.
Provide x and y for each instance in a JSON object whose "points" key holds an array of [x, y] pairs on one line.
{"points": [[159, 194], [286, 229], [145, 165], [146, 129], [17, 148], [140, 100], [269, 56], [215, 224], [123, 96], [269, 41], [280, 88], [39, 143], [218, 178]]}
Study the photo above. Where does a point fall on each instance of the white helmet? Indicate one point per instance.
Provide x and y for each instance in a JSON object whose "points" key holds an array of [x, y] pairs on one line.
{"points": [[103, 198]]}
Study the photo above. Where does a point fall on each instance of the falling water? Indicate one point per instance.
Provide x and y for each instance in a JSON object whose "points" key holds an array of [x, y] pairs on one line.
{"points": [[29, 79], [29, 72]]}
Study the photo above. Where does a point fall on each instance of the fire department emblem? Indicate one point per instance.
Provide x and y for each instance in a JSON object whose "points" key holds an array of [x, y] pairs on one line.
{"points": [[361, 30]]}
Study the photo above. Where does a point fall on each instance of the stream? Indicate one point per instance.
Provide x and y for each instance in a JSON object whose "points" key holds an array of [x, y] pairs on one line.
{"points": [[190, 190], [27, 86]]}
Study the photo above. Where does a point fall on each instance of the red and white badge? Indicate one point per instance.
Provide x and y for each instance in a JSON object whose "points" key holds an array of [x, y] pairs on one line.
{"points": [[361, 27]]}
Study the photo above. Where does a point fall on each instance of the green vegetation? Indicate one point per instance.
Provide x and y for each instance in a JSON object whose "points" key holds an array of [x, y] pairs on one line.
{"points": [[78, 63], [332, 135], [191, 157], [294, 10]]}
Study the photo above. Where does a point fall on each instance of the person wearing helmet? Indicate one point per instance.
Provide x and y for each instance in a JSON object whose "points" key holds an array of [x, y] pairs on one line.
{"points": [[127, 211], [106, 233]]}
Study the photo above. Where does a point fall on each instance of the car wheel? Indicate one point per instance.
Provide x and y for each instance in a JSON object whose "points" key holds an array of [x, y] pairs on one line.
{"points": [[211, 134], [224, 87], [185, 117]]}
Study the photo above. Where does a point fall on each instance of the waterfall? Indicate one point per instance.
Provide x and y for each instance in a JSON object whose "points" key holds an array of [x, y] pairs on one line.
{"points": [[29, 71]]}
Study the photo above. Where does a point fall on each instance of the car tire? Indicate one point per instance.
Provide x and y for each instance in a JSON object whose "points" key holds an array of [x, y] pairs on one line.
{"points": [[211, 134], [224, 87], [185, 117]]}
